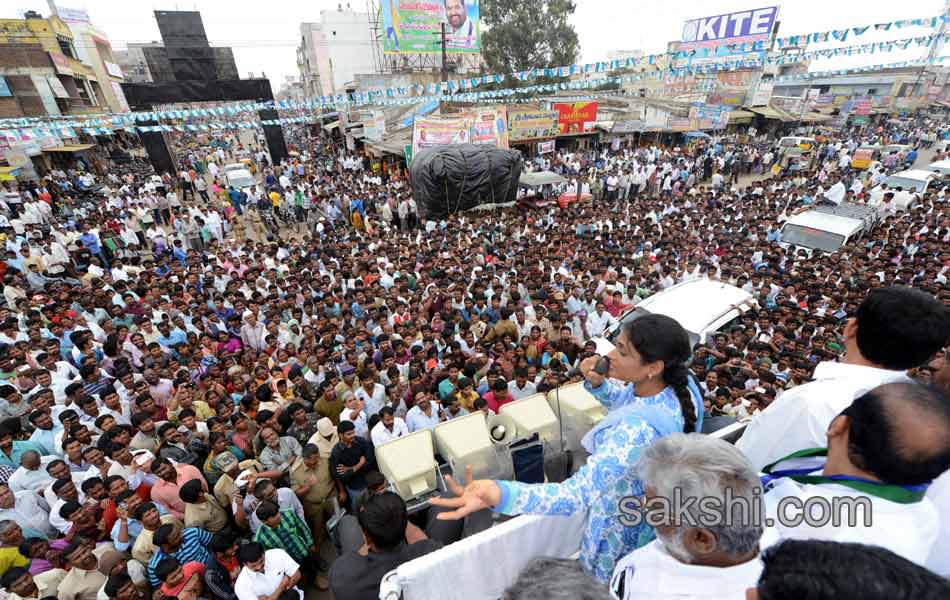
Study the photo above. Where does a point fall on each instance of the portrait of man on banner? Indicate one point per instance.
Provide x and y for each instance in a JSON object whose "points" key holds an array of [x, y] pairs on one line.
{"points": [[461, 30]]}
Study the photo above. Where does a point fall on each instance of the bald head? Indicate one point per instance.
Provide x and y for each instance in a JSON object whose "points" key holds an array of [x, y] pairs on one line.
{"points": [[898, 433], [30, 460]]}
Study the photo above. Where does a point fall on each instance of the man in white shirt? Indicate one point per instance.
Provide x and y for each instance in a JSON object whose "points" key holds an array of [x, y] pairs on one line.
{"points": [[521, 387], [390, 427], [882, 453], [894, 329], [24, 508], [353, 411], [30, 475], [691, 560], [599, 320], [424, 415], [264, 574]]}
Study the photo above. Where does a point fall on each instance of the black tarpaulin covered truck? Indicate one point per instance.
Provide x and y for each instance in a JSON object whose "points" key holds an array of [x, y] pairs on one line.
{"points": [[449, 179]]}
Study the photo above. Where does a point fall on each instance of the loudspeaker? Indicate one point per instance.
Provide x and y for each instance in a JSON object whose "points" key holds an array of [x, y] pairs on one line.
{"points": [[502, 429]]}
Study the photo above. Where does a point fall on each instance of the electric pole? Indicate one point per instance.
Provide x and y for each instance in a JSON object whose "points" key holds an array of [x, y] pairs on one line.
{"points": [[936, 45], [445, 64]]}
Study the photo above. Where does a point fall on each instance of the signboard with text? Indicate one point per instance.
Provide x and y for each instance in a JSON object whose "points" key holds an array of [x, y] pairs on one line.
{"points": [[531, 125], [732, 28], [576, 118]]}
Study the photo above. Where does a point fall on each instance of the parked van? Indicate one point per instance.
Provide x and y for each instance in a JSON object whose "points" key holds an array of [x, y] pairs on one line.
{"points": [[828, 228]]}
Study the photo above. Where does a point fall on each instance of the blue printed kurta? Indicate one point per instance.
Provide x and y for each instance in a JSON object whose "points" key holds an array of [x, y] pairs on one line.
{"points": [[606, 479]]}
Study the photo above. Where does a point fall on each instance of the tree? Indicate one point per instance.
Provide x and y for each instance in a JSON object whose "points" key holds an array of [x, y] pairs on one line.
{"points": [[525, 35]]}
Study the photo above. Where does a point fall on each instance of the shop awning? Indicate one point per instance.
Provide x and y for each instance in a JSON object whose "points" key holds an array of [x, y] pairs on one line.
{"points": [[770, 112], [72, 148], [814, 117], [737, 117]]}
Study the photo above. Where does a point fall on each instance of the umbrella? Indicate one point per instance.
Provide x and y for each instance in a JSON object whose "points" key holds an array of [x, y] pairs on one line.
{"points": [[696, 134]]}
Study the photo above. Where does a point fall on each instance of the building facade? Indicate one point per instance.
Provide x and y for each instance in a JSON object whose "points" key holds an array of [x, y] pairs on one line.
{"points": [[44, 71], [333, 51]]}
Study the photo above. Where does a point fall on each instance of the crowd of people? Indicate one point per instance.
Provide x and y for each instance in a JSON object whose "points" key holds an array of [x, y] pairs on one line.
{"points": [[195, 377]]}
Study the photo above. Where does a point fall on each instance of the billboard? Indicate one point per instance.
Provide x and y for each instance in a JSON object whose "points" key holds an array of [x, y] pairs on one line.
{"points": [[576, 118], [441, 131], [732, 28], [531, 125], [415, 26], [489, 127], [73, 15]]}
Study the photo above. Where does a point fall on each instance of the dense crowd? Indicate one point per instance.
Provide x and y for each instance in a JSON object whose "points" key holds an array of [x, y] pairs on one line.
{"points": [[186, 364]]}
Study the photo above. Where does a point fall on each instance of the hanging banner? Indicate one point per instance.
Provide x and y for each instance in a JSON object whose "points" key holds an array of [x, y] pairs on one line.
{"points": [[374, 125], [576, 118], [489, 127], [763, 93], [733, 28], [441, 131], [531, 124], [546, 147], [415, 26], [46, 94], [629, 126], [57, 86], [120, 96]]}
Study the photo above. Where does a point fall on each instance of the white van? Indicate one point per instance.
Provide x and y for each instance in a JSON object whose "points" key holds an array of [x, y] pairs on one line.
{"points": [[701, 306], [827, 228]]}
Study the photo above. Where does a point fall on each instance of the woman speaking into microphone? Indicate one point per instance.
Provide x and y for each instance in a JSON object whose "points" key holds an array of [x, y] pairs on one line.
{"points": [[656, 398]]}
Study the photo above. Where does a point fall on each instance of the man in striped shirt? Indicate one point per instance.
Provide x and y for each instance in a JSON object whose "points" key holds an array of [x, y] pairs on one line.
{"points": [[285, 530], [189, 544]]}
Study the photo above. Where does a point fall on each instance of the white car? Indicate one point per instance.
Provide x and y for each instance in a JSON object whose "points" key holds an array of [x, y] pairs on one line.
{"points": [[941, 167], [913, 184], [701, 306], [234, 167], [240, 179]]}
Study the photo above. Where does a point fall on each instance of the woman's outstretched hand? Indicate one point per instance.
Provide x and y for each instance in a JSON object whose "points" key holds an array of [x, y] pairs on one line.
{"points": [[477, 495]]}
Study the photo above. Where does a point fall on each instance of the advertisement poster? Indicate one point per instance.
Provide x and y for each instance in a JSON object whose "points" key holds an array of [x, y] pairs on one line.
{"points": [[489, 127], [415, 26], [576, 118], [862, 105], [531, 125], [441, 131], [546, 147], [733, 28]]}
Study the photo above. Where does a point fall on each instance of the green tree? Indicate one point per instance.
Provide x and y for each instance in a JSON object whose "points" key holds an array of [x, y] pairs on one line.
{"points": [[527, 35]]}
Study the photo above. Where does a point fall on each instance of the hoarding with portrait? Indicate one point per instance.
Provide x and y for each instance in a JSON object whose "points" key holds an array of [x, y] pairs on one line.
{"points": [[415, 26]]}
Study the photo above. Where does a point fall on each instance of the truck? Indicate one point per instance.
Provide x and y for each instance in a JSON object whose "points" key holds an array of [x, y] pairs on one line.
{"points": [[828, 228]]}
